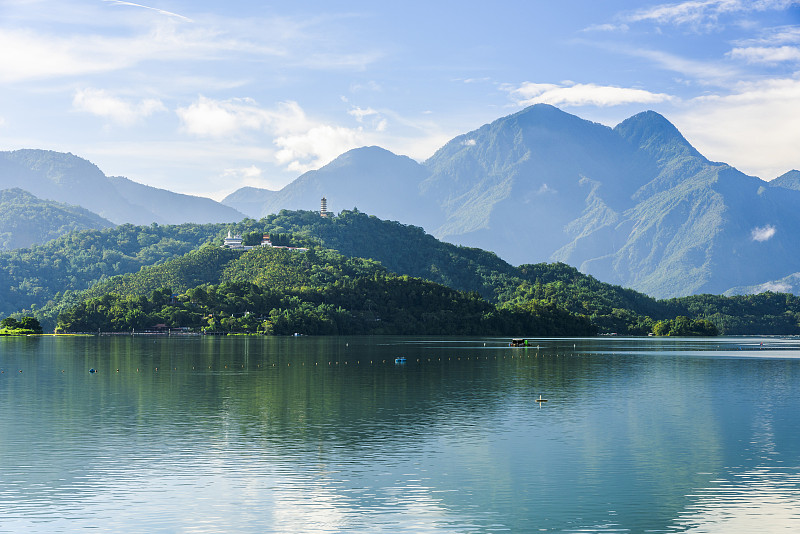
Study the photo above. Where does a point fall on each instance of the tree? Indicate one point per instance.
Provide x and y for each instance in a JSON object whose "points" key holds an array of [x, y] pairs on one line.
{"points": [[9, 322], [252, 239], [30, 323]]}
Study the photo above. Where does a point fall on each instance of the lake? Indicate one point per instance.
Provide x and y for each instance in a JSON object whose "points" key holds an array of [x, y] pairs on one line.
{"points": [[254, 434]]}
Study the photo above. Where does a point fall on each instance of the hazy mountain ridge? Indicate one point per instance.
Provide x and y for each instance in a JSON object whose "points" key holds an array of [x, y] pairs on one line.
{"points": [[386, 185], [635, 205], [174, 208], [26, 220], [789, 180], [249, 200], [73, 180]]}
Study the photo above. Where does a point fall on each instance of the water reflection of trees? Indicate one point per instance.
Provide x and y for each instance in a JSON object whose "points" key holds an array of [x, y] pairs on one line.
{"points": [[664, 420]]}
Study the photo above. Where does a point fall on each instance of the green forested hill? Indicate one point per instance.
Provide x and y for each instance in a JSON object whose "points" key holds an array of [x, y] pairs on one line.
{"points": [[409, 250], [401, 248], [29, 278], [318, 292], [174, 259], [26, 220], [765, 313]]}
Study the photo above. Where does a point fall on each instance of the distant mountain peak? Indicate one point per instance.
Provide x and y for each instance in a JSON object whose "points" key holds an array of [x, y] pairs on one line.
{"points": [[548, 116], [654, 134], [789, 180], [365, 154], [55, 166]]}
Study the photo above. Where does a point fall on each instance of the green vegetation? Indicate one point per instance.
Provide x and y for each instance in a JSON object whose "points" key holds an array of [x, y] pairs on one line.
{"points": [[13, 327], [26, 220], [683, 326], [280, 292], [52, 272], [307, 290], [765, 313]]}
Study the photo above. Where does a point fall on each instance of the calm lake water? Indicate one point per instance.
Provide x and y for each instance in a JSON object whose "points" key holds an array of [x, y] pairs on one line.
{"points": [[330, 435]]}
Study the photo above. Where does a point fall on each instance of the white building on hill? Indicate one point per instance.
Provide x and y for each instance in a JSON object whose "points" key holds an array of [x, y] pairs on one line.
{"points": [[235, 242]]}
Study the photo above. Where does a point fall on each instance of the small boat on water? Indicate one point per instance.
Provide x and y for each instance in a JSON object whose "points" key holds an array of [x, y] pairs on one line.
{"points": [[540, 399], [518, 342], [400, 359]]}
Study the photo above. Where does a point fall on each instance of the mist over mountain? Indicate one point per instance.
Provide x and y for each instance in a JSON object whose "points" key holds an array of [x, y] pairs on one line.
{"points": [[73, 180]]}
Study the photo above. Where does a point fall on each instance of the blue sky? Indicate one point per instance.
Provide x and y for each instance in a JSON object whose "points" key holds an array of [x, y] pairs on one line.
{"points": [[205, 97]]}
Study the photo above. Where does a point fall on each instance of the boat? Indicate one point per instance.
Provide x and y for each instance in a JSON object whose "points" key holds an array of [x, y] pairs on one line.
{"points": [[518, 342], [400, 359], [540, 399]]}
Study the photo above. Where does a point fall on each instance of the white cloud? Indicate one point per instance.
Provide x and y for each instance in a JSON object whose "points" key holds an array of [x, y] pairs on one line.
{"points": [[160, 11], [754, 128], [469, 142], [303, 143], [370, 86], [775, 36], [544, 189], [766, 54], [582, 95], [703, 14], [221, 118], [377, 122], [244, 176], [92, 40], [703, 72], [312, 148], [360, 113], [100, 103], [762, 233], [607, 28], [29, 55]]}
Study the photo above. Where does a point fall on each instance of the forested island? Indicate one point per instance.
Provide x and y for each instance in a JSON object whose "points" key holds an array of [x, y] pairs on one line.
{"points": [[360, 275]]}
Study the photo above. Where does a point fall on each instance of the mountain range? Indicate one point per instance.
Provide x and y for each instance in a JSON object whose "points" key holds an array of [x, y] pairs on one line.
{"points": [[72, 180], [635, 205]]}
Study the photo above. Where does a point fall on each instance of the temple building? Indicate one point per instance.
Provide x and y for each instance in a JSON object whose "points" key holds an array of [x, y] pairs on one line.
{"points": [[233, 241]]}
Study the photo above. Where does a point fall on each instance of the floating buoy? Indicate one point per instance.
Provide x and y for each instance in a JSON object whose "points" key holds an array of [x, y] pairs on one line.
{"points": [[540, 399]]}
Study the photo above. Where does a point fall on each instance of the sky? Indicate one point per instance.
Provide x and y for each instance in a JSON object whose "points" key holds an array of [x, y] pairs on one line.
{"points": [[205, 97]]}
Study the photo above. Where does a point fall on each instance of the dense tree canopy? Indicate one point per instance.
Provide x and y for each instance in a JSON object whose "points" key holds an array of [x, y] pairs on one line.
{"points": [[135, 260], [25, 325]]}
